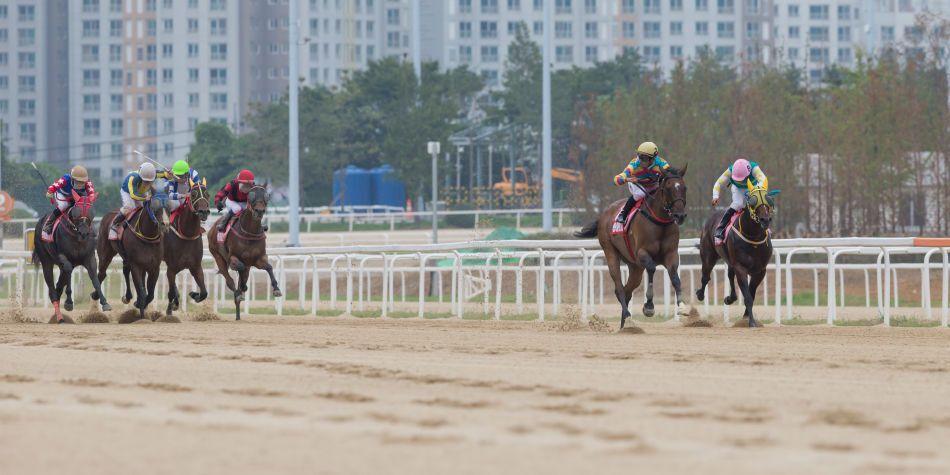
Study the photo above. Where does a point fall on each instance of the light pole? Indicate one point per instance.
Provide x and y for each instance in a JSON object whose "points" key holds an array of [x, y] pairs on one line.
{"points": [[416, 41], [434, 148], [293, 175], [547, 198]]}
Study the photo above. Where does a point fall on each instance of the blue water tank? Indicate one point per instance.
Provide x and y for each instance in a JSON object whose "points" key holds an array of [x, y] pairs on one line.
{"points": [[387, 189], [352, 186]]}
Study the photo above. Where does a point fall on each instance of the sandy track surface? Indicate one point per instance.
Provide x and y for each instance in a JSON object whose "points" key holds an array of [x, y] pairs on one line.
{"points": [[302, 395]]}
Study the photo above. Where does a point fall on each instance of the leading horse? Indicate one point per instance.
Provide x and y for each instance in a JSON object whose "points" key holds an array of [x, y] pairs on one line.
{"points": [[244, 246], [141, 249], [651, 239], [746, 250], [185, 246], [74, 244]]}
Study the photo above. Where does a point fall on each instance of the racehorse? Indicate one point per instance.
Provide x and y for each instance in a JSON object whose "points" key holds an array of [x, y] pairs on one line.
{"points": [[140, 247], [74, 244], [244, 246], [651, 239], [183, 240], [746, 251]]}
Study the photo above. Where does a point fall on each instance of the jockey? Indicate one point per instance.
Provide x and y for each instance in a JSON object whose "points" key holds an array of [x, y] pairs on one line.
{"points": [[179, 183], [736, 176], [60, 193], [642, 176], [234, 196], [137, 188]]}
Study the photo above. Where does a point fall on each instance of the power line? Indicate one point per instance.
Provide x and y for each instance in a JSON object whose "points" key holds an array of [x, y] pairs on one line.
{"points": [[121, 140]]}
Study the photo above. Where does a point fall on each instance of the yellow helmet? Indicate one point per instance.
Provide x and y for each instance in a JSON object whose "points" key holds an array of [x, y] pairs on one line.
{"points": [[79, 174], [649, 149]]}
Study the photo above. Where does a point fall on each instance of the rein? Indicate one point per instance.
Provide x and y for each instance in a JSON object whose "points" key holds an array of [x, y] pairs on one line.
{"points": [[191, 205], [138, 220]]}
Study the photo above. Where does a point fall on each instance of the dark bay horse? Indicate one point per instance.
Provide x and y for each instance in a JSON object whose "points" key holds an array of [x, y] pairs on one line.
{"points": [[140, 248], [746, 251], [74, 244], [652, 239], [184, 246], [244, 247]]}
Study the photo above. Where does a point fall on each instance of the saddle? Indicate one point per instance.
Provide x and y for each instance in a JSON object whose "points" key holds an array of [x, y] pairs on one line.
{"points": [[222, 235], [48, 238], [619, 229], [729, 228], [120, 230]]}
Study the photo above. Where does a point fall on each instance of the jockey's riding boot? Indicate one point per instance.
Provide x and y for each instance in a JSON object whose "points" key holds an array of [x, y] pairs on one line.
{"points": [[721, 229], [119, 222], [48, 225], [622, 217], [223, 224]]}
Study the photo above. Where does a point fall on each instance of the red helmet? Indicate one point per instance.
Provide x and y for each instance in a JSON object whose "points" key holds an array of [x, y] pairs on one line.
{"points": [[245, 177]]}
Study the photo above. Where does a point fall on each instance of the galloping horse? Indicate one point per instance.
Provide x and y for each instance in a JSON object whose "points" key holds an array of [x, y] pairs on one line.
{"points": [[74, 244], [244, 246], [140, 247], [746, 251], [184, 239], [651, 239]]}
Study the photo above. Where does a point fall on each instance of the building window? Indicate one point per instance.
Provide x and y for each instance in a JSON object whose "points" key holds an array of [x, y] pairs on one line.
{"points": [[192, 25], [489, 54], [818, 55], [192, 75], [562, 7], [115, 102], [753, 30], [90, 102], [514, 5], [219, 76], [218, 5], [726, 6], [90, 77], [219, 27], [167, 76], [793, 11], [193, 101], [651, 29], [676, 5], [27, 12], [167, 51], [489, 29], [562, 29], [465, 29], [627, 6], [590, 54], [818, 33], [590, 30], [28, 132], [726, 29], [676, 52], [702, 5], [564, 54], [676, 28], [844, 12], [219, 101], [793, 54], [845, 56], [90, 127], [90, 53], [651, 54], [844, 33], [793, 32], [590, 7], [465, 6], [465, 54], [489, 6], [702, 28], [725, 53], [651, 6], [192, 50], [117, 127], [392, 17], [818, 12], [887, 33], [90, 151], [26, 37], [219, 51], [628, 30]]}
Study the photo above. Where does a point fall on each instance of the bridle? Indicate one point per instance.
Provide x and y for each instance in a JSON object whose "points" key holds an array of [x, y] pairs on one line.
{"points": [[84, 205], [250, 205], [757, 197], [202, 194]]}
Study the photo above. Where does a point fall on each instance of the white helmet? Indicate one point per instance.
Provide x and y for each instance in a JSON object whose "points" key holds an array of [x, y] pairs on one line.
{"points": [[147, 172]]}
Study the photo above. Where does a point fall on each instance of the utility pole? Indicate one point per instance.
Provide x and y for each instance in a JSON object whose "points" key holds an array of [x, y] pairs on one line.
{"points": [[294, 133], [434, 149], [416, 41], [547, 197]]}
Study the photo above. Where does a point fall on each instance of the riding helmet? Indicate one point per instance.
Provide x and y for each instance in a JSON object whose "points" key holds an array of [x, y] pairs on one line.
{"points": [[147, 172], [648, 149], [180, 168], [245, 176], [79, 174]]}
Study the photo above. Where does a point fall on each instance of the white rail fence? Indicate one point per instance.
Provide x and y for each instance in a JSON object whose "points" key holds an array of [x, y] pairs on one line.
{"points": [[536, 279]]}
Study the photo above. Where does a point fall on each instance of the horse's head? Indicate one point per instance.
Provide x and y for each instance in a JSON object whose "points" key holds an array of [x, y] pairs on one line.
{"points": [[673, 189], [81, 216], [198, 200], [257, 201], [157, 210], [761, 204]]}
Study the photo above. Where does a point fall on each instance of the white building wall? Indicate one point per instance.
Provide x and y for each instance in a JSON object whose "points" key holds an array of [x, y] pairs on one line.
{"points": [[22, 58]]}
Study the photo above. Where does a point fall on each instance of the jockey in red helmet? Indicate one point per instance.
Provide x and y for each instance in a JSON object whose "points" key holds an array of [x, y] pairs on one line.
{"points": [[233, 195]]}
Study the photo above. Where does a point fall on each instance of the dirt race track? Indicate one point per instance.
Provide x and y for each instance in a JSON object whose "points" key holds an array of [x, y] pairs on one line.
{"points": [[334, 395]]}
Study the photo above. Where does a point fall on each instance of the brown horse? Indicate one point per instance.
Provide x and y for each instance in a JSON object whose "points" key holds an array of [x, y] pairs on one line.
{"points": [[244, 247], [746, 251], [140, 248], [652, 239], [183, 240], [74, 244]]}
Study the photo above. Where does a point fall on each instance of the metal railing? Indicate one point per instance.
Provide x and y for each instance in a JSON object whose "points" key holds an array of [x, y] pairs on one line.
{"points": [[493, 279]]}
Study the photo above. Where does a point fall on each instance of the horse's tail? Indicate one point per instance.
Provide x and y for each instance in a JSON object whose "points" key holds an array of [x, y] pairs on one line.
{"points": [[588, 231]]}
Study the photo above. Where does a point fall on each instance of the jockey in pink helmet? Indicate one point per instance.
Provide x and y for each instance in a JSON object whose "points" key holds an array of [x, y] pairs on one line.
{"points": [[737, 176]]}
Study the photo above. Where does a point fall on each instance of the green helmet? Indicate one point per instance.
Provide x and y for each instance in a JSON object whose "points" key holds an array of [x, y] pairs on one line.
{"points": [[181, 168]]}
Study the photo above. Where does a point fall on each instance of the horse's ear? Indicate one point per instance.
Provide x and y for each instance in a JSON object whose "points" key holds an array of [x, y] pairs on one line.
{"points": [[683, 171]]}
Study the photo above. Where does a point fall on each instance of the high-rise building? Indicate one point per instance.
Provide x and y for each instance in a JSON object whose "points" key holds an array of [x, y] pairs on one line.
{"points": [[33, 79]]}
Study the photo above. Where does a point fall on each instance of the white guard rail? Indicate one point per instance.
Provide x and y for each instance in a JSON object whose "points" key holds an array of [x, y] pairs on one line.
{"points": [[490, 278]]}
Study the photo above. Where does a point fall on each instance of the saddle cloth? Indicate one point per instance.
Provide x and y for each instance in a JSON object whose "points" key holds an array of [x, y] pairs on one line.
{"points": [[619, 229]]}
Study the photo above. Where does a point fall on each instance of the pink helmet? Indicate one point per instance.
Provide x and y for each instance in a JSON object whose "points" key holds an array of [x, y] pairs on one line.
{"points": [[741, 169]]}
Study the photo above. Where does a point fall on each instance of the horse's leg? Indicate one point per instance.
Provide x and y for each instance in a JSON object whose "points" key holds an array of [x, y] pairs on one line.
{"points": [[709, 262], [264, 264], [238, 290], [754, 281], [731, 298], [672, 262], [51, 289], [198, 273], [613, 266], [634, 276], [151, 278], [172, 292], [223, 270], [97, 293], [127, 272], [138, 277], [647, 262], [65, 267], [106, 253], [243, 274]]}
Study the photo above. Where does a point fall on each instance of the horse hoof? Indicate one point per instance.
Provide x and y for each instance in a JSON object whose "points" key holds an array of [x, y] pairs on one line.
{"points": [[126, 300], [68, 306], [197, 297], [277, 293], [106, 307], [700, 295], [729, 300], [648, 311], [94, 295]]}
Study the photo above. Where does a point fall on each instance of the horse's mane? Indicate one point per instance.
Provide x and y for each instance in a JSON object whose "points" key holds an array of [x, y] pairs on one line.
{"points": [[673, 173]]}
